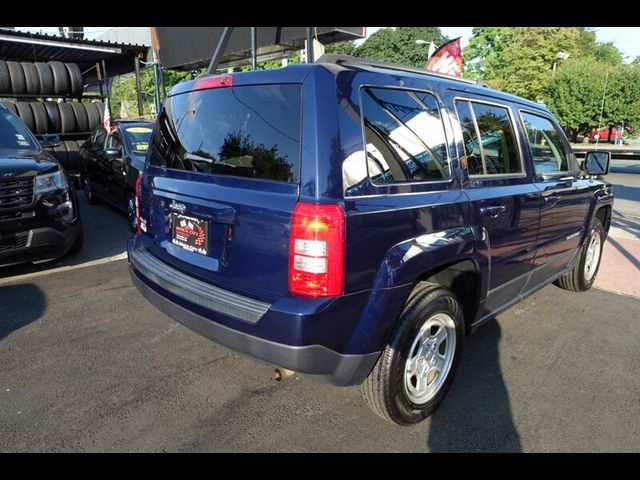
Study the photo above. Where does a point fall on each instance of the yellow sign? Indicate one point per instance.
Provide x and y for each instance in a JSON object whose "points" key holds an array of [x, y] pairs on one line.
{"points": [[139, 130]]}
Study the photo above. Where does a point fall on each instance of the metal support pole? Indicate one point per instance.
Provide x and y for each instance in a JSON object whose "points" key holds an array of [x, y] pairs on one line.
{"points": [[220, 48], [136, 64], [254, 48], [310, 58], [105, 77], [156, 82], [99, 75]]}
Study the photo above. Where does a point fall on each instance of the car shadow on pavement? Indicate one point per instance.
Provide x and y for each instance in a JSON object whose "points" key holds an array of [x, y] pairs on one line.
{"points": [[20, 305], [475, 416]]}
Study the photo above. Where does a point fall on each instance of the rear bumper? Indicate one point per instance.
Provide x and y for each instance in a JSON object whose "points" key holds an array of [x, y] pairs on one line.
{"points": [[325, 364]]}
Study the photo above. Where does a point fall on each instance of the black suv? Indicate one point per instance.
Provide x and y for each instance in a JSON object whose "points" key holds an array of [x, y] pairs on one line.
{"points": [[112, 162], [39, 215]]}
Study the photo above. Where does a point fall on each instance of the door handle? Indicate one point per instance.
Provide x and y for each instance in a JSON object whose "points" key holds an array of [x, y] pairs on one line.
{"points": [[493, 212], [551, 199]]}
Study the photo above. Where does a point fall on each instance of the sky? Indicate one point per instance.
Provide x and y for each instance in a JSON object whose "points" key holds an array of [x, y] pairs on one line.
{"points": [[627, 39]]}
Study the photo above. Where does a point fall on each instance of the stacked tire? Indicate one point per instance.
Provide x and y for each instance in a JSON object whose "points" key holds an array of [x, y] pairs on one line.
{"points": [[68, 154], [60, 118], [40, 79]]}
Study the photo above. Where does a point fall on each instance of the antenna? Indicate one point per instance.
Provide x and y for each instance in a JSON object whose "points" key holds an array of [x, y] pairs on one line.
{"points": [[601, 110]]}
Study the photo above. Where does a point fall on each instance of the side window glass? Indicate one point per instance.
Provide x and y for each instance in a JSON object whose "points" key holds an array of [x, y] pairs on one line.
{"points": [[114, 141], [497, 141], [547, 149], [470, 138], [405, 139]]}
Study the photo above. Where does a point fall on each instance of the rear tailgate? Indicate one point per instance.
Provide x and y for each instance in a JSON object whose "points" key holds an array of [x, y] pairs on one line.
{"points": [[221, 183]]}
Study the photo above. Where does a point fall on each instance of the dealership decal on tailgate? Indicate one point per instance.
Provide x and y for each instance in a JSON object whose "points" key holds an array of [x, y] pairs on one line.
{"points": [[190, 233]]}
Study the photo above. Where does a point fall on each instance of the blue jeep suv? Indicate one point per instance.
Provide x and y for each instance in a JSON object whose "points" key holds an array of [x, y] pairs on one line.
{"points": [[355, 220]]}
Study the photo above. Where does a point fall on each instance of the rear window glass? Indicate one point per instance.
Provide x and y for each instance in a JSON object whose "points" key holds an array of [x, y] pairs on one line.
{"points": [[247, 131], [137, 137]]}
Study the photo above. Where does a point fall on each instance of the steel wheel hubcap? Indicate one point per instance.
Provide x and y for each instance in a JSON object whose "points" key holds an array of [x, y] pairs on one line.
{"points": [[430, 358], [592, 257]]}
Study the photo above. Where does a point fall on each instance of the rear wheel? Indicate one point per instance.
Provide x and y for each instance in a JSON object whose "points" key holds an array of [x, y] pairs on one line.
{"points": [[417, 367], [583, 274]]}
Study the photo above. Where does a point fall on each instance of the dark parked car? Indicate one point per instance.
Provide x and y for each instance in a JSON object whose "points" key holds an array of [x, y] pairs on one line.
{"points": [[111, 164], [39, 215], [355, 220]]}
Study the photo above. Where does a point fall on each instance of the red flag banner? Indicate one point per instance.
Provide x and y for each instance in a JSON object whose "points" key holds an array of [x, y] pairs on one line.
{"points": [[447, 59]]}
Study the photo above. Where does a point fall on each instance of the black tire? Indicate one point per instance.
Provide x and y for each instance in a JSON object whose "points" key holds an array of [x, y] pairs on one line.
{"points": [[60, 152], [75, 79], [11, 105], [93, 114], [45, 75], [77, 245], [5, 79], [41, 121], [18, 84], [53, 117], [26, 115], [89, 194], [31, 78], [82, 120], [60, 78], [100, 106], [73, 156], [580, 278], [385, 390], [67, 118]]}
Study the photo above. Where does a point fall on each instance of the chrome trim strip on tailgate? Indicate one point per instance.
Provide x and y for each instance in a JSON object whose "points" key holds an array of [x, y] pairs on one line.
{"points": [[196, 291]]}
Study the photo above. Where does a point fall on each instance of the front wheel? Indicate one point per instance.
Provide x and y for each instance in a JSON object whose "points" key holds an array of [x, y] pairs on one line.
{"points": [[583, 274], [420, 360], [88, 190]]}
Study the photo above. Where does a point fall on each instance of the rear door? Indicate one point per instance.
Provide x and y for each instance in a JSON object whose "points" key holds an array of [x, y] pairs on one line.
{"points": [[564, 194], [223, 176], [505, 204]]}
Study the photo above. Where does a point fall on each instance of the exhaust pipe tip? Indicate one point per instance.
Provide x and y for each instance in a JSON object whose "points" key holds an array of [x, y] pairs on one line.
{"points": [[280, 374]]}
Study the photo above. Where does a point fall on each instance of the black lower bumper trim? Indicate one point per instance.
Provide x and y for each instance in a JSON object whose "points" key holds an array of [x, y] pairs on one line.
{"points": [[315, 360]]}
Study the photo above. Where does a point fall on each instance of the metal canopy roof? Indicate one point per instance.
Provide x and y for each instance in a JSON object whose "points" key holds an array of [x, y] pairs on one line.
{"points": [[40, 47]]}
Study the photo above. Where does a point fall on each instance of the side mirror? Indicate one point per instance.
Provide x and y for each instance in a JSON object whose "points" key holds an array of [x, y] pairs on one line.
{"points": [[114, 153], [50, 141], [597, 163]]}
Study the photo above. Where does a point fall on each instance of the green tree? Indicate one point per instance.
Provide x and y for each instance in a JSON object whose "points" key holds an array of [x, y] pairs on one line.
{"points": [[529, 57], [607, 53], [124, 89], [399, 45], [575, 94], [342, 48], [484, 55]]}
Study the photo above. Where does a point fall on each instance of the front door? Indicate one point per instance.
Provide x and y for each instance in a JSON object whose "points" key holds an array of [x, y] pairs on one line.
{"points": [[505, 204], [564, 194]]}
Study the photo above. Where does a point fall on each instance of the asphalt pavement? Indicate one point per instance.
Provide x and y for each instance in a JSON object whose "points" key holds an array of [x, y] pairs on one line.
{"points": [[86, 364]]}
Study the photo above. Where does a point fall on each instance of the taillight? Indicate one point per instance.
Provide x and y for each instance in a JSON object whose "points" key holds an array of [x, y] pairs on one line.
{"points": [[205, 83], [138, 181], [316, 250]]}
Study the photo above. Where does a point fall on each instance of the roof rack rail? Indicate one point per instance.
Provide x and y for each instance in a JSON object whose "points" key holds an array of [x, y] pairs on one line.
{"points": [[349, 60]]}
